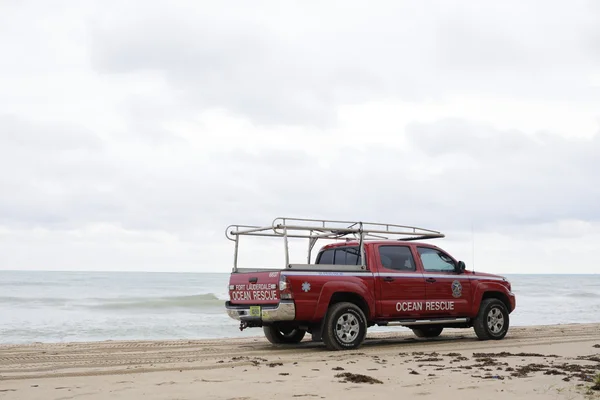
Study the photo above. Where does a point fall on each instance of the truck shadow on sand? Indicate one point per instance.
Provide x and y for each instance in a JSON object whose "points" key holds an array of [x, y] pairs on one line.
{"points": [[375, 342]]}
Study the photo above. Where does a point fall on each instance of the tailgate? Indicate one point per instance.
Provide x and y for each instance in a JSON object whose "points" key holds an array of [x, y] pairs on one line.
{"points": [[254, 288]]}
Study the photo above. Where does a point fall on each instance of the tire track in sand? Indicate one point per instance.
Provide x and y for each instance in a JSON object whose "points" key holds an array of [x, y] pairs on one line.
{"points": [[120, 358]]}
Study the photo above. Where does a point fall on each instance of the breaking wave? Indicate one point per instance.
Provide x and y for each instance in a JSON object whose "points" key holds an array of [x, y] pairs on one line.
{"points": [[24, 301], [585, 295], [198, 301]]}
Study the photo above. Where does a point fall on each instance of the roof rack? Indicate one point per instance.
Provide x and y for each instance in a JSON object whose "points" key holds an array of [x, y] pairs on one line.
{"points": [[333, 229], [315, 229]]}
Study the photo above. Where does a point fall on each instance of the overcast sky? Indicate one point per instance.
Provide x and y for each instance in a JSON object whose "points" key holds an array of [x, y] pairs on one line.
{"points": [[132, 133]]}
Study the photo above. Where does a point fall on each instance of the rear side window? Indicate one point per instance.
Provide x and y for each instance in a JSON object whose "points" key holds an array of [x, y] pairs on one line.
{"points": [[398, 258], [326, 257], [340, 256], [347, 256]]}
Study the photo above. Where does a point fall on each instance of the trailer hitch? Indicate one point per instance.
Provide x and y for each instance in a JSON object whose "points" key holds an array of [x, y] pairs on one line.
{"points": [[243, 325]]}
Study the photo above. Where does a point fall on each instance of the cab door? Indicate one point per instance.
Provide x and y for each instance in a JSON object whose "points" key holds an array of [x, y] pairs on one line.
{"points": [[400, 287], [448, 292]]}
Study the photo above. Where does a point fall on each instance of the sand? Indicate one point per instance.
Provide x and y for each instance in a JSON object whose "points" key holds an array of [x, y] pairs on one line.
{"points": [[546, 362]]}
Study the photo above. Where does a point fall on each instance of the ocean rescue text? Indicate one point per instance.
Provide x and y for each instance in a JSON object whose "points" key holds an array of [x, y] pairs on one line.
{"points": [[427, 305]]}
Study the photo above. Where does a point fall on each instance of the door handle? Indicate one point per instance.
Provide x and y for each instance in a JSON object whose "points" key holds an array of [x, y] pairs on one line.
{"points": [[430, 280], [388, 279], [254, 279]]}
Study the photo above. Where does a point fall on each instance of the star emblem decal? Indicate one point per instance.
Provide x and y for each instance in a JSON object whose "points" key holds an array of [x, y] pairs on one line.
{"points": [[306, 286]]}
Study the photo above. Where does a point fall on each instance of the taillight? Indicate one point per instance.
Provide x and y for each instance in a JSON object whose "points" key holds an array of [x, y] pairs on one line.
{"points": [[285, 288]]}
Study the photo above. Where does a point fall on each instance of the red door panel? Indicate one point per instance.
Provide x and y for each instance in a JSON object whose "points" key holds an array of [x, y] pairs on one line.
{"points": [[448, 292], [401, 288]]}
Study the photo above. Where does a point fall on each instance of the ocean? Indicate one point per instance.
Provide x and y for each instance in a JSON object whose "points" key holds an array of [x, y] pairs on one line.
{"points": [[92, 306]]}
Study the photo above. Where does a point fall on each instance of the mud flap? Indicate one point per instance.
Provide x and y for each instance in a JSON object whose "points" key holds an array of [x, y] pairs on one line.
{"points": [[317, 332]]}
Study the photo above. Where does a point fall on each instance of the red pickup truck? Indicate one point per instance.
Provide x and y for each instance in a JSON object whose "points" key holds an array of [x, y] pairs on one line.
{"points": [[366, 277]]}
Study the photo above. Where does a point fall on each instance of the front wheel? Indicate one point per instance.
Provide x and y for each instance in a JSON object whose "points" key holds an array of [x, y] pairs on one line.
{"points": [[492, 320], [428, 331], [344, 327], [278, 335]]}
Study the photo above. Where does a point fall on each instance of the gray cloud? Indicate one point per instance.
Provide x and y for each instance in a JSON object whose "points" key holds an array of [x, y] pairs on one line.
{"points": [[293, 67], [63, 137], [490, 177], [515, 178], [47, 171]]}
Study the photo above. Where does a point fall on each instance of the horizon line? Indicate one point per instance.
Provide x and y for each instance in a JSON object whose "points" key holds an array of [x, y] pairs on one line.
{"points": [[229, 272]]}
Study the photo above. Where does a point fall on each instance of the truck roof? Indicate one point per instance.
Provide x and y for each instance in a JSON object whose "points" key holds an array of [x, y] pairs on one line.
{"points": [[375, 242]]}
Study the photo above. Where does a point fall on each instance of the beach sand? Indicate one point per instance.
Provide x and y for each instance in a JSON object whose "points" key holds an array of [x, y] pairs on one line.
{"points": [[546, 362]]}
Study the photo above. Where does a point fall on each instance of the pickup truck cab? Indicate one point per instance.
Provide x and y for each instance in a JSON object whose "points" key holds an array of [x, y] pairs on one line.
{"points": [[360, 282]]}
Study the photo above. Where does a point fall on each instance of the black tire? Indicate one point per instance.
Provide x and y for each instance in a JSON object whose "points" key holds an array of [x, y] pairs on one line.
{"points": [[428, 331], [337, 336], [277, 335], [492, 320]]}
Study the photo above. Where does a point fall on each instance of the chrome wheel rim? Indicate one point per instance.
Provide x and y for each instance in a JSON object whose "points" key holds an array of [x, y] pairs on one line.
{"points": [[289, 333], [495, 320], [347, 328]]}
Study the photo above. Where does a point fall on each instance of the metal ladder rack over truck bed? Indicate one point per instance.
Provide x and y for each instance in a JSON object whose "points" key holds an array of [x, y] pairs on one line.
{"points": [[315, 229]]}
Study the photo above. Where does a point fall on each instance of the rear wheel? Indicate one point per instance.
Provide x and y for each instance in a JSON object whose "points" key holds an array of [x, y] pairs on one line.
{"points": [[427, 331], [280, 335], [344, 327], [492, 320]]}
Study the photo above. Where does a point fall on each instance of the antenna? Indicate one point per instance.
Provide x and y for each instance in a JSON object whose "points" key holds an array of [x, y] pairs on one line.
{"points": [[473, 246]]}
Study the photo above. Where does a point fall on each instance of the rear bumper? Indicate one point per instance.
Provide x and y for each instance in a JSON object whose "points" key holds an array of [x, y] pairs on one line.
{"points": [[284, 311]]}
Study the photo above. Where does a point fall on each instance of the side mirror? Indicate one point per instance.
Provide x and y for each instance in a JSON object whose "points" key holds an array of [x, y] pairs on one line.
{"points": [[461, 266]]}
